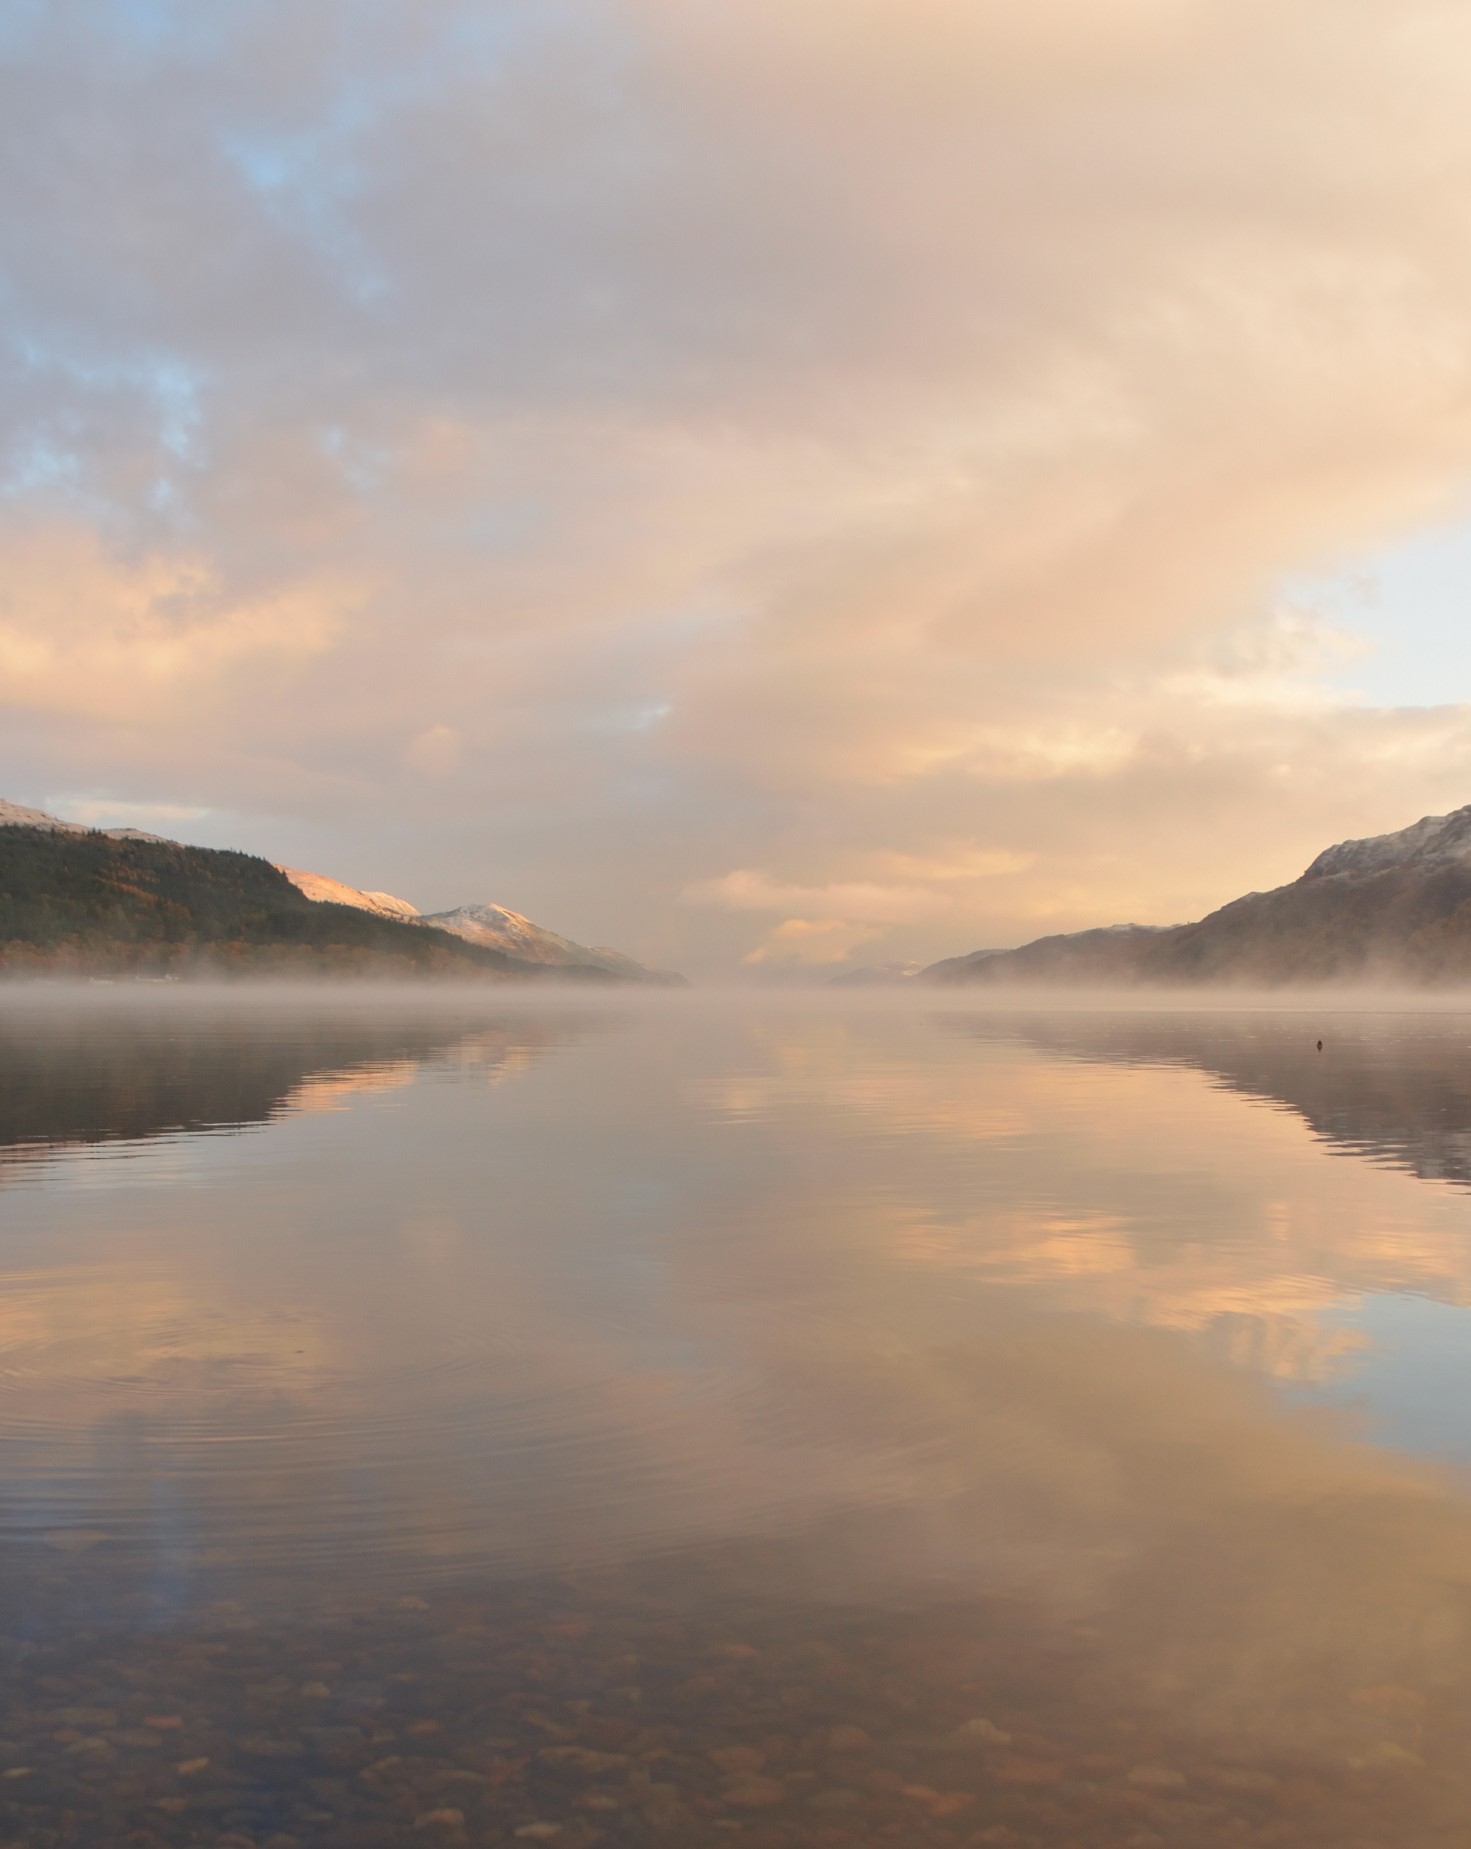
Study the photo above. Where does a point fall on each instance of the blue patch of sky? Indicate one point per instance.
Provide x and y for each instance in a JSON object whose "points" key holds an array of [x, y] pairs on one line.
{"points": [[176, 31], [175, 389], [475, 38], [20, 21], [184, 30], [482, 35], [45, 457], [1409, 605], [146, 30], [37, 465], [150, 24], [1412, 1380], [363, 466], [308, 177], [306, 181], [170, 381]]}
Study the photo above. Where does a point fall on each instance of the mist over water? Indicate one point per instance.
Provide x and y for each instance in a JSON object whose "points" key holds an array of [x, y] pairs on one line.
{"points": [[787, 1420]]}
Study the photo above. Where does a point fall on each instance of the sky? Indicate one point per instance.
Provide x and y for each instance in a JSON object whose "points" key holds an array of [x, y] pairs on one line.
{"points": [[770, 486]]}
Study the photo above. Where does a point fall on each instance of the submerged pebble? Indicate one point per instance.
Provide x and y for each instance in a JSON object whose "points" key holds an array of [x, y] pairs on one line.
{"points": [[479, 1723]]}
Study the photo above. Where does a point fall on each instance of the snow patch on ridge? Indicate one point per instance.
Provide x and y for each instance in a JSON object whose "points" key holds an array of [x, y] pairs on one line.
{"points": [[1433, 839], [501, 929], [326, 891], [498, 928], [14, 815]]}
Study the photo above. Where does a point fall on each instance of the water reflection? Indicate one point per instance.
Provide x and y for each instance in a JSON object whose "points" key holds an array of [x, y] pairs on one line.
{"points": [[1393, 1087], [922, 1419], [113, 1069]]}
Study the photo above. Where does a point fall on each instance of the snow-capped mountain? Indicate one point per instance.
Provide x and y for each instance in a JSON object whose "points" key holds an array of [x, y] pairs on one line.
{"points": [[493, 927], [498, 928], [1388, 908], [333, 892], [12, 815], [1433, 841]]}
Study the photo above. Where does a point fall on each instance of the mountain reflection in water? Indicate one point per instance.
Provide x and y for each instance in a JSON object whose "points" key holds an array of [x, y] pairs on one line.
{"points": [[1394, 1087], [683, 1423]]}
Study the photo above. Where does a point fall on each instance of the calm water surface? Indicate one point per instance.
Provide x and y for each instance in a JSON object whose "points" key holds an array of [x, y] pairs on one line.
{"points": [[695, 1424]]}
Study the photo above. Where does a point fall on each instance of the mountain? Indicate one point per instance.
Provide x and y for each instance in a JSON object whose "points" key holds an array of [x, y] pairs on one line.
{"points": [[1109, 953], [876, 976], [497, 928], [332, 892], [493, 927], [510, 942], [1394, 1088], [1390, 908], [93, 903], [158, 1072], [12, 815]]}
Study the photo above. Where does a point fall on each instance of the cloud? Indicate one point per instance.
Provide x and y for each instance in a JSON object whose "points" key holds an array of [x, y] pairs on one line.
{"points": [[747, 890], [853, 913], [98, 813], [85, 633], [811, 941], [435, 752], [781, 437]]}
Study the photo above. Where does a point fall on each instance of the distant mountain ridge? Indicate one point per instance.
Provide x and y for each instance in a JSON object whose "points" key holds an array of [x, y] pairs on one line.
{"points": [[12, 815], [877, 976], [1433, 841], [1392, 908], [497, 928], [87, 911]]}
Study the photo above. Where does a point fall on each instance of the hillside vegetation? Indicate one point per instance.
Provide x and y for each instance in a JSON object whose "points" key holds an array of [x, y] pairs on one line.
{"points": [[1392, 909], [91, 904]]}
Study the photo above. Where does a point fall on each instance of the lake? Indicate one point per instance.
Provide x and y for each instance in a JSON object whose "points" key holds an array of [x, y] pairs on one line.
{"points": [[779, 1422]]}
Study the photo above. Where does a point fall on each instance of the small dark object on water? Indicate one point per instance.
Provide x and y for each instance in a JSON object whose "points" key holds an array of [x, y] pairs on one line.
{"points": [[1320, 1046]]}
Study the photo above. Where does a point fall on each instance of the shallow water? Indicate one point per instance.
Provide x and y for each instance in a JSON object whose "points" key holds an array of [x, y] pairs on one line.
{"points": [[694, 1423]]}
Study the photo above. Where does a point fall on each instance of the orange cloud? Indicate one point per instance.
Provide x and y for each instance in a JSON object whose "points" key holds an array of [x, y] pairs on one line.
{"points": [[811, 940], [886, 428]]}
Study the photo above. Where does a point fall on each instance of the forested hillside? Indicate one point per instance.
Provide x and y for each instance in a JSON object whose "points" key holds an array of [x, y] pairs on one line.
{"points": [[89, 903]]}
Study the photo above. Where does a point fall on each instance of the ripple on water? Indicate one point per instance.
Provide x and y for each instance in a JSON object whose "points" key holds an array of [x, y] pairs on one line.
{"points": [[143, 1420]]}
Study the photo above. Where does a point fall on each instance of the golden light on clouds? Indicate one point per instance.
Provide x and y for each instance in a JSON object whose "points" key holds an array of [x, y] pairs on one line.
{"points": [[435, 752], [83, 633], [792, 438], [812, 940]]}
